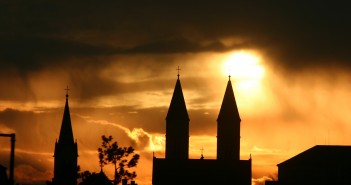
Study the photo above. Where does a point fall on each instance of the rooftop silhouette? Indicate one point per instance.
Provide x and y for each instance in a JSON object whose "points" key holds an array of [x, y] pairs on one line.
{"points": [[321, 164]]}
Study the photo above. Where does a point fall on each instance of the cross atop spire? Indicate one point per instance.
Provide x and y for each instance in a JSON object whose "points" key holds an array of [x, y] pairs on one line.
{"points": [[178, 69], [67, 89], [229, 77]]}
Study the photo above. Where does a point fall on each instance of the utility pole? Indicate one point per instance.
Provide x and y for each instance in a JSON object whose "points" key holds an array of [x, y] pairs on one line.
{"points": [[12, 156]]}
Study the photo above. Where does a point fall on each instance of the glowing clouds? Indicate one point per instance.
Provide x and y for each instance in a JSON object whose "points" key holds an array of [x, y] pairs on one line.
{"points": [[144, 140], [247, 73]]}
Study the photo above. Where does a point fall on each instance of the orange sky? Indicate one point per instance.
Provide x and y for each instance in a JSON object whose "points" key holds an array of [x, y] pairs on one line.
{"points": [[281, 117], [291, 78]]}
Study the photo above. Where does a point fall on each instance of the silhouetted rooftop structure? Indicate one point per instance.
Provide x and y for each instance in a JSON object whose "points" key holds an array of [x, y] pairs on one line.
{"points": [[321, 164], [320, 153]]}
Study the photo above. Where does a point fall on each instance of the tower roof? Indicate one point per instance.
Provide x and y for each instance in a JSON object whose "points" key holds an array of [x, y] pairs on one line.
{"points": [[229, 109], [66, 132], [177, 109]]}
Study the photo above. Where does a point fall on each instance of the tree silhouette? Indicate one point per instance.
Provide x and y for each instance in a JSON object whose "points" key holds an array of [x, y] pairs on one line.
{"points": [[120, 157]]}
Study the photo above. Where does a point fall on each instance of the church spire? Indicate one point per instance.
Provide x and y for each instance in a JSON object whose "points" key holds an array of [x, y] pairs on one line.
{"points": [[229, 107], [228, 129], [177, 125], [66, 152], [177, 108], [66, 133]]}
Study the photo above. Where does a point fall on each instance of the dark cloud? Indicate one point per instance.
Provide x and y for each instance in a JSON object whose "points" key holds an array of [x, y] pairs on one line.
{"points": [[105, 87], [295, 34], [182, 46], [30, 53]]}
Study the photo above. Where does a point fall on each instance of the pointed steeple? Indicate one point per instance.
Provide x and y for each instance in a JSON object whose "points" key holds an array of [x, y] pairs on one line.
{"points": [[229, 107], [228, 127], [66, 152], [177, 109], [177, 125], [66, 132]]}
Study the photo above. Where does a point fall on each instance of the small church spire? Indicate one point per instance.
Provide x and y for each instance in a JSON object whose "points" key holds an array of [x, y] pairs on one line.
{"points": [[178, 69]]}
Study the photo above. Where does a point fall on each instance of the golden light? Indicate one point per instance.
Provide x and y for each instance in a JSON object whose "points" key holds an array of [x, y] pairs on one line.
{"points": [[243, 65], [246, 71]]}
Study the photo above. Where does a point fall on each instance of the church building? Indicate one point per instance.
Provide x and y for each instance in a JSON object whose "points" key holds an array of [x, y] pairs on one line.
{"points": [[177, 169], [66, 153]]}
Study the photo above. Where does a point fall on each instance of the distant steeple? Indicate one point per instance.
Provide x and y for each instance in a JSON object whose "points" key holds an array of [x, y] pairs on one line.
{"points": [[228, 129], [66, 152], [177, 125]]}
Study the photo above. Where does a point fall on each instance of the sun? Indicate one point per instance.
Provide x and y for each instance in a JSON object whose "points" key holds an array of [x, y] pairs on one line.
{"points": [[246, 72], [243, 65]]}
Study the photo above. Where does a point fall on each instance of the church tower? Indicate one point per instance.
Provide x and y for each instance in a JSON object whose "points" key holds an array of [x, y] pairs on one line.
{"points": [[66, 153], [177, 126], [228, 127]]}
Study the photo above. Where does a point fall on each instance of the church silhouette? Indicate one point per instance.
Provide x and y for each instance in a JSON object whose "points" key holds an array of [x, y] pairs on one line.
{"points": [[66, 152], [177, 169]]}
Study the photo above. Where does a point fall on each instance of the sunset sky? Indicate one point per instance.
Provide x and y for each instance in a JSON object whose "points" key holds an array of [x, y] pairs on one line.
{"points": [[289, 63]]}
